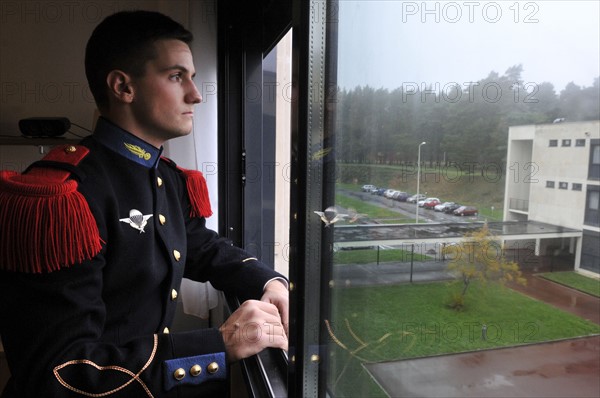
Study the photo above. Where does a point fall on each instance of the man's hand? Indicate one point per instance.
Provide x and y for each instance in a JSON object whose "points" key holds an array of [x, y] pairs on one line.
{"points": [[277, 293], [253, 327]]}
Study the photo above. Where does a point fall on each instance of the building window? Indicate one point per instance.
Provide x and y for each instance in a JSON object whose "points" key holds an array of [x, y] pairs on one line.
{"points": [[580, 142], [549, 184], [590, 251], [594, 170], [553, 143], [592, 206], [576, 187], [566, 142], [563, 185]]}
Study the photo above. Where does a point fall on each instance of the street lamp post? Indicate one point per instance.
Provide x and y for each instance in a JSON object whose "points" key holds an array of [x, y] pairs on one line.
{"points": [[418, 179]]}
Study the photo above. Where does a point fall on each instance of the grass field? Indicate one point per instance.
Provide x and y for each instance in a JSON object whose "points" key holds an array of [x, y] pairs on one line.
{"points": [[392, 323], [576, 281]]}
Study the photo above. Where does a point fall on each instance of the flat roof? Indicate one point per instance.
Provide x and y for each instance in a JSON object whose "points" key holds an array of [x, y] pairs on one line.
{"points": [[399, 234]]}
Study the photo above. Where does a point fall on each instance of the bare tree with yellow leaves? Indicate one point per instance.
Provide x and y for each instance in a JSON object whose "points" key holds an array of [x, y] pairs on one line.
{"points": [[480, 257]]}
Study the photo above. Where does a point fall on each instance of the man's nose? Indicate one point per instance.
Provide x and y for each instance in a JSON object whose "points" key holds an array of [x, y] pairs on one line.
{"points": [[194, 96]]}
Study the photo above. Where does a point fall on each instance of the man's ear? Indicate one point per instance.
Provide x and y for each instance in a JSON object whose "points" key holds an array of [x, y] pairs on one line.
{"points": [[119, 86]]}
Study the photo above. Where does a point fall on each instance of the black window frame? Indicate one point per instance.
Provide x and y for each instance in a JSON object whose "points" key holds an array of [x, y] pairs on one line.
{"points": [[563, 185], [566, 142], [550, 184], [592, 216], [247, 32], [594, 168], [553, 143], [576, 186], [580, 142]]}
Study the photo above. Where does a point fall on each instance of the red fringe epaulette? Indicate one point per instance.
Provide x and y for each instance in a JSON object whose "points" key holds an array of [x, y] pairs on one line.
{"points": [[197, 190], [198, 193], [46, 223]]}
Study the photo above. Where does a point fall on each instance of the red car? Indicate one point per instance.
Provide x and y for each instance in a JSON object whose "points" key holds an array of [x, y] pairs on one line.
{"points": [[430, 203], [466, 211]]}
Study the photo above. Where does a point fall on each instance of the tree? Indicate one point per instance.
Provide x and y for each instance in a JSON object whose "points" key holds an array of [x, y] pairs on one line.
{"points": [[479, 257]]}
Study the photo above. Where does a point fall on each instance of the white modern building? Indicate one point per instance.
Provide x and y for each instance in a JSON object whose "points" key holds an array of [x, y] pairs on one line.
{"points": [[553, 176]]}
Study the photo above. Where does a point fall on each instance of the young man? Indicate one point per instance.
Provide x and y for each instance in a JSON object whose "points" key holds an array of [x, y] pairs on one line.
{"points": [[96, 239]]}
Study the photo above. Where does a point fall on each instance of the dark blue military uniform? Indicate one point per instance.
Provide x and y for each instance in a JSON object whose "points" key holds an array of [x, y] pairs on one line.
{"points": [[91, 316]]}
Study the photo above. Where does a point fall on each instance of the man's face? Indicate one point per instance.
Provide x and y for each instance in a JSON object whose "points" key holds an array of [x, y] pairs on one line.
{"points": [[165, 95]]}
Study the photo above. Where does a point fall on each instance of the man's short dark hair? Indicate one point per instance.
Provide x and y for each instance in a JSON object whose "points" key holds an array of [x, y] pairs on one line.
{"points": [[125, 41]]}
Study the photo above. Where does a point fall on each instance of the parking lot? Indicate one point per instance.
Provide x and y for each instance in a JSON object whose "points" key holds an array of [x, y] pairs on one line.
{"points": [[409, 209]]}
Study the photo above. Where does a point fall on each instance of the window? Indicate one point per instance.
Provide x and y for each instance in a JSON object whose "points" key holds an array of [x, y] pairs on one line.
{"points": [[592, 206], [590, 260], [563, 185], [553, 143], [381, 111], [594, 170], [580, 142], [549, 184], [576, 187], [566, 142]]}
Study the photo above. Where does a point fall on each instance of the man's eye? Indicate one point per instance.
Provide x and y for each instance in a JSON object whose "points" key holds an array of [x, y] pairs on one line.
{"points": [[176, 77]]}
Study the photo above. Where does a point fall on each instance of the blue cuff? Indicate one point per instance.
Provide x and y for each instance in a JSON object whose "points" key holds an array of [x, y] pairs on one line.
{"points": [[194, 370]]}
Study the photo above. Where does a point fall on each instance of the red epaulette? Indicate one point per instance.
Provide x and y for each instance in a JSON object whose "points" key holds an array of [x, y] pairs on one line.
{"points": [[197, 190], [46, 223]]}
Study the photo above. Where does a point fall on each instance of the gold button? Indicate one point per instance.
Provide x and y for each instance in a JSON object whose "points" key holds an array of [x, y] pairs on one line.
{"points": [[162, 219], [179, 374], [196, 370], [71, 149], [213, 367], [166, 331], [173, 294], [159, 181], [176, 254]]}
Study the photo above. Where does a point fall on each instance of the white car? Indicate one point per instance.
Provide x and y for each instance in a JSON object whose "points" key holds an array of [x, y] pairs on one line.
{"points": [[389, 193], [368, 188], [415, 198], [442, 206]]}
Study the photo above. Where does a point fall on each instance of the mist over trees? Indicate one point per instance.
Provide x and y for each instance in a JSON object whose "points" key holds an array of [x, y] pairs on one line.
{"points": [[461, 122]]}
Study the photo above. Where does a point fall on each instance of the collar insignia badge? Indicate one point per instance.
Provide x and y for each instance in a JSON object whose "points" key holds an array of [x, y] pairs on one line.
{"points": [[137, 220], [138, 151]]}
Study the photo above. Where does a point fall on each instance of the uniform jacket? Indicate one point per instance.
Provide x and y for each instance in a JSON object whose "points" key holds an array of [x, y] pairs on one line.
{"points": [[100, 324]]}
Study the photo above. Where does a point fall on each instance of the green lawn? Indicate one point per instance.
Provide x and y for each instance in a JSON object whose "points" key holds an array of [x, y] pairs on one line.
{"points": [[371, 211], [576, 281], [399, 322]]}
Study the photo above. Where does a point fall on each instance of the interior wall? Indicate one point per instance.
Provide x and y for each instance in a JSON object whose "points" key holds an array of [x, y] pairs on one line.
{"points": [[42, 48]]}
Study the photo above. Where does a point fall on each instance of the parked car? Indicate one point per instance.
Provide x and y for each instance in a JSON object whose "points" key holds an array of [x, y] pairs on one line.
{"points": [[430, 203], [442, 206], [400, 196], [450, 208], [416, 198], [379, 191], [388, 193], [466, 211], [368, 187]]}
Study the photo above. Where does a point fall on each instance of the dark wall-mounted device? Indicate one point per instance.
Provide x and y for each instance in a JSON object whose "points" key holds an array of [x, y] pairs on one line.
{"points": [[44, 126]]}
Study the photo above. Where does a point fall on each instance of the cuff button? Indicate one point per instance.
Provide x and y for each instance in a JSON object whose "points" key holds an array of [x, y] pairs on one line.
{"points": [[213, 368], [179, 374], [196, 370]]}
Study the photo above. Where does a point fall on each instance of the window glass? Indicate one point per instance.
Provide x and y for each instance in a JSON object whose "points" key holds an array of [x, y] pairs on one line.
{"points": [[444, 115]]}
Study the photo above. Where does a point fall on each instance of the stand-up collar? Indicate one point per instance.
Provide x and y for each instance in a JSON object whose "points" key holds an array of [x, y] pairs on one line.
{"points": [[126, 144]]}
